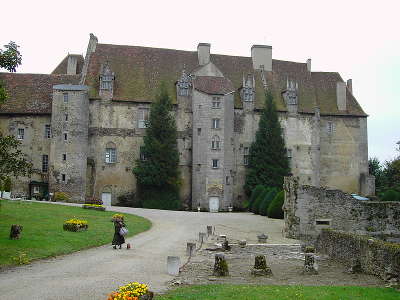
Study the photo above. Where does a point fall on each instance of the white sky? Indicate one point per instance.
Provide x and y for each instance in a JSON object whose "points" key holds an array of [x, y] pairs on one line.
{"points": [[358, 38]]}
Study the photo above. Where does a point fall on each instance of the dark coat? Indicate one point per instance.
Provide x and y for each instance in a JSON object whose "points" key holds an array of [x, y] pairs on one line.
{"points": [[118, 239]]}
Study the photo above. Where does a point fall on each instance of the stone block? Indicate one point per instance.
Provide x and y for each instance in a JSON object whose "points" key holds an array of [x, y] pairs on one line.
{"points": [[173, 265]]}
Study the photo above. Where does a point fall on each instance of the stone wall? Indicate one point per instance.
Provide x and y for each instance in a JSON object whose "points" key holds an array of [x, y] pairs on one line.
{"points": [[373, 256], [309, 209]]}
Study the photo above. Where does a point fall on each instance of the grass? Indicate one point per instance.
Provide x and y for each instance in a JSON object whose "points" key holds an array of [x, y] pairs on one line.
{"points": [[269, 292], [43, 235]]}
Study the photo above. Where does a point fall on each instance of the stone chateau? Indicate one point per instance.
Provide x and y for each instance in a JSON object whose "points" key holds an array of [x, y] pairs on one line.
{"points": [[82, 126]]}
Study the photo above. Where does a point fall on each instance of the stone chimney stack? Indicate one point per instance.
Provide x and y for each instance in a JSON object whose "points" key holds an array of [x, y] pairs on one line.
{"points": [[350, 85], [203, 53], [72, 64], [261, 56], [92, 43], [341, 95], [309, 65]]}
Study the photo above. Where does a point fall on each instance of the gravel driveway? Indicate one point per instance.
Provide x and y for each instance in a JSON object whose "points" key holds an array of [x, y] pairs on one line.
{"points": [[93, 273]]}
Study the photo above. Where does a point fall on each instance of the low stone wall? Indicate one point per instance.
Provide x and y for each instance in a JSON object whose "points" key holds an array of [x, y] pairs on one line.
{"points": [[309, 209], [375, 256]]}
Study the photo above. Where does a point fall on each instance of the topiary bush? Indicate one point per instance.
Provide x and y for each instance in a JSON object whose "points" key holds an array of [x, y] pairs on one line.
{"points": [[255, 193], [263, 210], [391, 195], [258, 201], [275, 208], [61, 196]]}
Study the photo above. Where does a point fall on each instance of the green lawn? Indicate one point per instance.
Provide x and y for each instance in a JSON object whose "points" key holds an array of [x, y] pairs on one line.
{"points": [[268, 292], [43, 234]]}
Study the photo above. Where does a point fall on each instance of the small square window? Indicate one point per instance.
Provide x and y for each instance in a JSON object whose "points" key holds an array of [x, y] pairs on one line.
{"points": [[64, 157], [66, 117], [65, 136], [36, 190], [246, 156], [143, 117], [198, 131], [111, 155], [47, 131], [227, 180], [65, 97], [21, 133], [142, 154], [330, 127], [63, 177], [215, 163], [216, 102]]}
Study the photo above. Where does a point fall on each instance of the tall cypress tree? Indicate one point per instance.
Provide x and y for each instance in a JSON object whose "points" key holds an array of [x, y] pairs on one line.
{"points": [[268, 162], [158, 176]]}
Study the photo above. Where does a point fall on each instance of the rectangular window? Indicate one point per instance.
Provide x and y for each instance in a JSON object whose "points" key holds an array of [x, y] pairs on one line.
{"points": [[21, 133], [215, 163], [330, 127], [289, 155], [143, 117], [63, 177], [142, 154], [323, 222], [227, 181], [106, 82], [36, 190], [246, 156], [216, 102], [198, 131], [45, 163], [66, 117], [215, 123], [64, 157], [65, 97], [65, 136], [111, 155], [47, 131]]}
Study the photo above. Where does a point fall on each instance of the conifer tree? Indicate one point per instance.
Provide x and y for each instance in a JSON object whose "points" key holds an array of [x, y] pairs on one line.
{"points": [[157, 175], [268, 162]]}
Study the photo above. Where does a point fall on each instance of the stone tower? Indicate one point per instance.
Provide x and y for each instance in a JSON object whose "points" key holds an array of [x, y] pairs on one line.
{"points": [[69, 144]]}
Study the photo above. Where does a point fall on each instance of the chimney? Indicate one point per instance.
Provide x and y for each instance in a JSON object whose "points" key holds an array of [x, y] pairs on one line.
{"points": [[341, 95], [92, 43], [350, 85], [72, 64], [261, 56], [309, 65], [203, 53]]}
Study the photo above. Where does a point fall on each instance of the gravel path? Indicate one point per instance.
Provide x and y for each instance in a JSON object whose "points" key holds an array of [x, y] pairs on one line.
{"points": [[93, 273]]}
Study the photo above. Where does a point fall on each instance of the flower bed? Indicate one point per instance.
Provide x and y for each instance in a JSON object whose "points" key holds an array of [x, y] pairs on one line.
{"points": [[132, 291], [75, 225], [94, 206]]}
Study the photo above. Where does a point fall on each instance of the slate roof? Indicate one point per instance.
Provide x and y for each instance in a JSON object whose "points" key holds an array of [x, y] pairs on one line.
{"points": [[139, 71], [213, 85], [62, 67], [31, 93]]}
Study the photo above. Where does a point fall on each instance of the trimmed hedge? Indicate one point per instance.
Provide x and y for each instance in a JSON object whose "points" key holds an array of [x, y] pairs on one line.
{"points": [[267, 201], [166, 198], [258, 201], [391, 195], [275, 208], [255, 193]]}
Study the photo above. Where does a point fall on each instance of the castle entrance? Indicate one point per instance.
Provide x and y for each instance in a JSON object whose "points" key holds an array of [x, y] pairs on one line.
{"points": [[106, 198]]}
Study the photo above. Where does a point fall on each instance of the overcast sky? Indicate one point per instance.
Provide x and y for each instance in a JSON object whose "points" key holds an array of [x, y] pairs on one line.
{"points": [[358, 39]]}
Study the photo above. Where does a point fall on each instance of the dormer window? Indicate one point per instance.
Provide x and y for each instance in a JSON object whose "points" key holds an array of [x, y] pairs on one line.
{"points": [[248, 88], [291, 93], [184, 84], [106, 78], [247, 94]]}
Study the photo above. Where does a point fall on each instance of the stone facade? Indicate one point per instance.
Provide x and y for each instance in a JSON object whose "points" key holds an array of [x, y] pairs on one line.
{"points": [[309, 209], [217, 104]]}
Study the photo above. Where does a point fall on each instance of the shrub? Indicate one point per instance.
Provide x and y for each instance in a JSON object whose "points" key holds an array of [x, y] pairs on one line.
{"points": [[75, 225], [61, 196], [255, 193], [263, 210], [7, 184], [93, 200], [161, 198], [275, 208], [94, 206], [128, 200], [257, 203], [21, 259], [391, 195]]}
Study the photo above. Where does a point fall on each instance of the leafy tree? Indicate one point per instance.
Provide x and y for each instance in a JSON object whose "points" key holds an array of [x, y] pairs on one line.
{"points": [[158, 176], [376, 169], [256, 204], [254, 194], [268, 162], [10, 59], [12, 160], [275, 210], [267, 201], [392, 174], [391, 195]]}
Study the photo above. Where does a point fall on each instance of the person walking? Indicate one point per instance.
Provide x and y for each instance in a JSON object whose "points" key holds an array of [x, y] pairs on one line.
{"points": [[119, 238]]}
